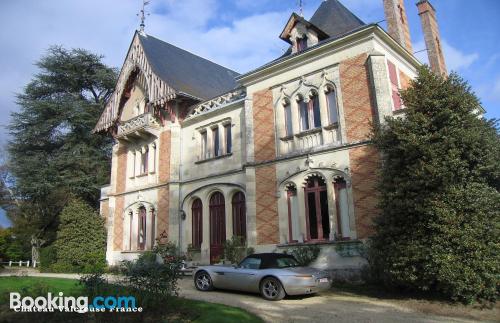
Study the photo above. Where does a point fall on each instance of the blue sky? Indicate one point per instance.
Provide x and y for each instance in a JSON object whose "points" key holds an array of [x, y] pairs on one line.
{"points": [[240, 34]]}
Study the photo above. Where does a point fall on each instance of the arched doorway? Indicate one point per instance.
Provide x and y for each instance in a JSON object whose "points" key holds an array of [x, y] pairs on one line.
{"points": [[197, 227], [239, 216], [316, 202], [217, 226]]}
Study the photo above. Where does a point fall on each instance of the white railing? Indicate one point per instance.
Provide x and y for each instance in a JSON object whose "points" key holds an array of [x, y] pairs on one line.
{"points": [[20, 263], [309, 139], [140, 122]]}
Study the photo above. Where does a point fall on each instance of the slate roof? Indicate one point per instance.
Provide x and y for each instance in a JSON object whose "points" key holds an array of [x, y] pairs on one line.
{"points": [[335, 19], [186, 72]]}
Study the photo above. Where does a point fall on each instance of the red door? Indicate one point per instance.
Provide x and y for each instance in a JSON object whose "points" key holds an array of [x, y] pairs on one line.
{"points": [[217, 227]]}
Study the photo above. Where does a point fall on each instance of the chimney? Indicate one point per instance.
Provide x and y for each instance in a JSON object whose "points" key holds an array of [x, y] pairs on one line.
{"points": [[397, 22], [430, 27]]}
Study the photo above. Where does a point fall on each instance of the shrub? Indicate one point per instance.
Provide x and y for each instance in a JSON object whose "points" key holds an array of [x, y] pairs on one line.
{"points": [[147, 273], [439, 227], [305, 255], [235, 249], [81, 239], [48, 257]]}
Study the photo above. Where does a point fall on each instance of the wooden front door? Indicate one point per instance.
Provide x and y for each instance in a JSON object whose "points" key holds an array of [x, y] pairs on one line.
{"points": [[217, 227]]}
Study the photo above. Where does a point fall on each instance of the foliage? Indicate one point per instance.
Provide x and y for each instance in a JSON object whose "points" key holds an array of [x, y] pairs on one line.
{"points": [[177, 309], [439, 227], [53, 153], [235, 249], [81, 239], [10, 246], [149, 274], [48, 256], [306, 254]]}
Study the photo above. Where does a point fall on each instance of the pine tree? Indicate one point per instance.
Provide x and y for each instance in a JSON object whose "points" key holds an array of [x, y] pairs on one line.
{"points": [[439, 225], [81, 239], [53, 153]]}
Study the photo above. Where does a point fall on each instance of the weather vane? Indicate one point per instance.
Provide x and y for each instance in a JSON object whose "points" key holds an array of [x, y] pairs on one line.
{"points": [[301, 8], [143, 14]]}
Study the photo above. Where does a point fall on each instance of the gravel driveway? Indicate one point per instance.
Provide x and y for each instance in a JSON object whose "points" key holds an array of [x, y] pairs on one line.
{"points": [[329, 307]]}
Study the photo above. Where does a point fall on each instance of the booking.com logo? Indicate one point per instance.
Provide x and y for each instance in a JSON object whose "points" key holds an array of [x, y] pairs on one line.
{"points": [[80, 304]]}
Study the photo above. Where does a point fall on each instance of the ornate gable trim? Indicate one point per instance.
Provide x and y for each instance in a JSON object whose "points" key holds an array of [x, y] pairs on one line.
{"points": [[158, 92]]}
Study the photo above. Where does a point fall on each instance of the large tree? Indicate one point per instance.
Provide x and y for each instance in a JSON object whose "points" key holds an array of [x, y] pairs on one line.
{"points": [[53, 153], [439, 227]]}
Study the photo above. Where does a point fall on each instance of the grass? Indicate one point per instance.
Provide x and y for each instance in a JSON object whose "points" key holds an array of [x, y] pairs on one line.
{"points": [[174, 309], [421, 302]]}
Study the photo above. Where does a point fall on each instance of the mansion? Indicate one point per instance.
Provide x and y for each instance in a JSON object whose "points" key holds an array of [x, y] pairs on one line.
{"points": [[280, 155]]}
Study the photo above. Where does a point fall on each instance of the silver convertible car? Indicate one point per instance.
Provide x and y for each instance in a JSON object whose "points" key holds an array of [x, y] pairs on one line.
{"points": [[273, 275]]}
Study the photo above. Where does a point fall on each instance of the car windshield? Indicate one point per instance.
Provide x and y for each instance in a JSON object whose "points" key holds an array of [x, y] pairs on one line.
{"points": [[286, 262]]}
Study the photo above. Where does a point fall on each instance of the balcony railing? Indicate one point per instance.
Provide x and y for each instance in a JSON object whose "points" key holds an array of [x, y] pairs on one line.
{"points": [[145, 123]]}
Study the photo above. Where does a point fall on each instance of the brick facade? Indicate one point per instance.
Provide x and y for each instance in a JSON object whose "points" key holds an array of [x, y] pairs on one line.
{"points": [[432, 38], [164, 157], [356, 93], [364, 176], [267, 222], [397, 22], [121, 169], [118, 223], [162, 212], [264, 129], [404, 80], [164, 176]]}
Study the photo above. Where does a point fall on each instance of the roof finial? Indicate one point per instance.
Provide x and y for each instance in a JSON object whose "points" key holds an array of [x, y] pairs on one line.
{"points": [[142, 14], [301, 8]]}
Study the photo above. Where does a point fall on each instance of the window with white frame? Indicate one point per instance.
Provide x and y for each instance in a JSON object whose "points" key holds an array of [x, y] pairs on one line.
{"points": [[228, 141], [204, 144], [288, 119], [215, 142], [332, 106], [144, 160]]}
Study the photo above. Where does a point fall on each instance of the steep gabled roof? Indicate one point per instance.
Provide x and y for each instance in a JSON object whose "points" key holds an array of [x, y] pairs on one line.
{"points": [[294, 18], [186, 72], [335, 19]]}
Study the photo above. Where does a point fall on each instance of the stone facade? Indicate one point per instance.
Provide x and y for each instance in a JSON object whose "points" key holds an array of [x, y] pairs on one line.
{"points": [[285, 159]]}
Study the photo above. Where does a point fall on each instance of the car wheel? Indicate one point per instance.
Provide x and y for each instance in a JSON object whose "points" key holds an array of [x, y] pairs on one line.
{"points": [[271, 289], [203, 282]]}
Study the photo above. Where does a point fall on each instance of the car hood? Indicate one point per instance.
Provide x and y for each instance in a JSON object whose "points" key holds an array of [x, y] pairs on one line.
{"points": [[308, 271]]}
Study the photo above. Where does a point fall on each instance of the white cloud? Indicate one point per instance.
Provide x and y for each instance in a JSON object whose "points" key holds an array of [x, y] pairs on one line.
{"points": [[456, 60], [106, 27]]}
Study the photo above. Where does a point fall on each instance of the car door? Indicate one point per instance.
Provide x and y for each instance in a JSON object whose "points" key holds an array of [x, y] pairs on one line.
{"points": [[244, 277]]}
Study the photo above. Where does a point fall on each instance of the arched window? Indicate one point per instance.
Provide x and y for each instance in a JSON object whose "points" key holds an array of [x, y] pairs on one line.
{"points": [[316, 202], [309, 112], [239, 215], [288, 119], [197, 227], [314, 110], [332, 107], [141, 232], [217, 226], [144, 160], [342, 206]]}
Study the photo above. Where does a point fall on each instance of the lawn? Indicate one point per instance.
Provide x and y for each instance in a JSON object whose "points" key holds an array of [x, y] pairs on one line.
{"points": [[175, 310]]}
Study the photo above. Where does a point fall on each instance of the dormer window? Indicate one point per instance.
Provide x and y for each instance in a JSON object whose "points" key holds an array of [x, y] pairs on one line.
{"points": [[301, 43]]}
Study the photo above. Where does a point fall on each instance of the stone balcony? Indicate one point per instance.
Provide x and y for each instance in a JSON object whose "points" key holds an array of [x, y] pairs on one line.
{"points": [[141, 126]]}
